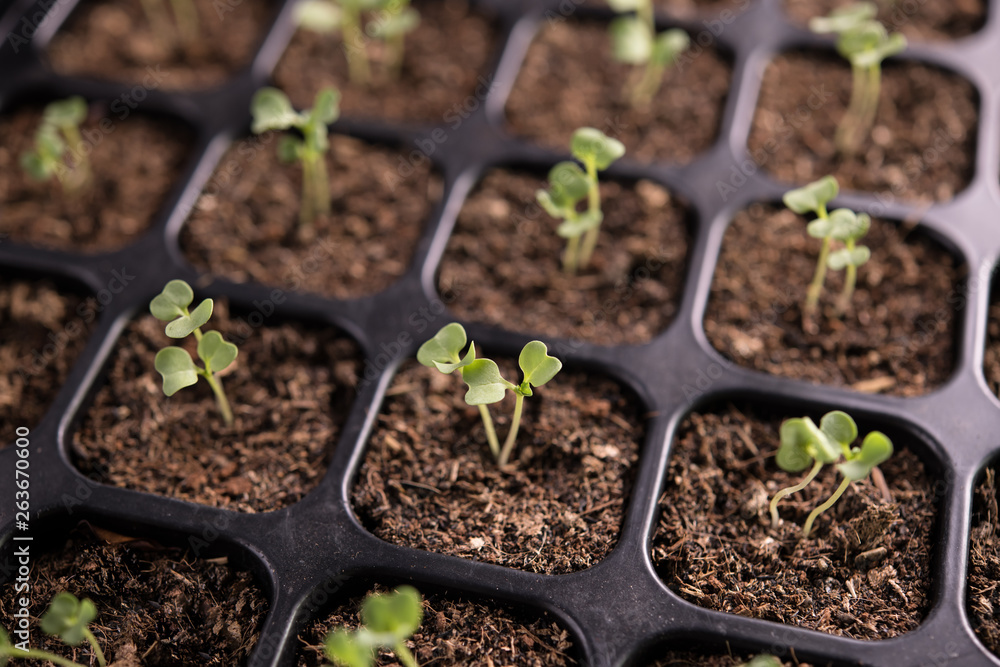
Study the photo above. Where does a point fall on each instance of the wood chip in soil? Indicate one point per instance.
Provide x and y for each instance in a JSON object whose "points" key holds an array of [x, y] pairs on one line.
{"points": [[865, 572], [921, 148], [128, 188], [983, 598], [157, 606], [570, 80], [444, 75], [42, 331], [290, 389], [900, 338], [503, 263], [917, 20], [112, 39], [428, 480], [245, 225], [457, 631]]}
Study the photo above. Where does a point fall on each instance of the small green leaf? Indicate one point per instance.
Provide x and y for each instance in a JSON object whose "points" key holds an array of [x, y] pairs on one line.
{"points": [[469, 357], [445, 346], [582, 223], [318, 15], [764, 660], [621, 6], [326, 107], [547, 203], [669, 45], [66, 113], [631, 42], [568, 184], [290, 148], [171, 303], [839, 427], [811, 197], [343, 649], [844, 19], [875, 449], [49, 143], [536, 364], [36, 166], [272, 110], [590, 143], [184, 325], [793, 455], [844, 257], [216, 352], [846, 225], [177, 369], [398, 613], [67, 617], [486, 386], [820, 228]]}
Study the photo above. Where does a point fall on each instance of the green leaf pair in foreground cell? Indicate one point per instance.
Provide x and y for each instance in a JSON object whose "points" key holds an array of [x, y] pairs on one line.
{"points": [[569, 185], [66, 618], [803, 443], [59, 149], [174, 363], [388, 620], [634, 41], [486, 385]]}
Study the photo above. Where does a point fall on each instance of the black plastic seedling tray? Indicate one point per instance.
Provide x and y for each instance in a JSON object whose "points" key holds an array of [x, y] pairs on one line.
{"points": [[619, 609]]}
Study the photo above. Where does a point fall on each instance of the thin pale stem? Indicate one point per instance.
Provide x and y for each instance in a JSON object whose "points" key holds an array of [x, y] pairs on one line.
{"points": [[850, 280], [220, 396], [594, 208], [354, 48], [571, 258], [395, 46], [405, 656], [647, 85], [790, 490], [848, 134], [98, 653], [806, 529], [315, 189], [816, 287], [36, 654], [491, 431], [515, 423]]}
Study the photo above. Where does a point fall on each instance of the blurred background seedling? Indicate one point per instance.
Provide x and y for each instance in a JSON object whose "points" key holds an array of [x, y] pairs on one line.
{"points": [[634, 41], [59, 151]]}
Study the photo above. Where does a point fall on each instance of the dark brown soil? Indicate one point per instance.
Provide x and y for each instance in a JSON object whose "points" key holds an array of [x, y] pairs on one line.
{"points": [[917, 20], [428, 479], [899, 339], [156, 606], [865, 572], [42, 333], [245, 226], [290, 388], [991, 360], [984, 564], [922, 145], [128, 189], [444, 75], [503, 263], [569, 80], [458, 632], [112, 39]]}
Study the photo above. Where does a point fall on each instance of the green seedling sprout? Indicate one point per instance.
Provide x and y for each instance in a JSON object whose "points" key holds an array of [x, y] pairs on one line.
{"points": [[763, 660], [56, 142], [68, 619], [569, 184], [388, 620], [174, 363], [803, 443], [865, 43], [486, 386], [634, 41], [272, 110], [395, 18]]}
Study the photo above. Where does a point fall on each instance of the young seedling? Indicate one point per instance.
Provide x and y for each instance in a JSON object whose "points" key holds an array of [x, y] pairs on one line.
{"points": [[569, 184], [865, 43], [843, 225], [272, 110], [802, 444], [174, 363], [59, 149], [634, 41], [486, 386], [68, 619], [764, 660], [394, 19], [388, 619]]}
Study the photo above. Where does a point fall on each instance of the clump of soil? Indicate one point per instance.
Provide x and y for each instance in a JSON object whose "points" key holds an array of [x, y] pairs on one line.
{"points": [[457, 631], [429, 481], [43, 332], [984, 564], [916, 20], [157, 606], [444, 75], [113, 39], [245, 226], [921, 148], [899, 339], [503, 263], [865, 572], [290, 389], [128, 186], [569, 80]]}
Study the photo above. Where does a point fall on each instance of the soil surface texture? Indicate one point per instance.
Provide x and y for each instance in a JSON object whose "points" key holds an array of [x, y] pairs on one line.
{"points": [[444, 75], [245, 225], [157, 606], [503, 263], [126, 190], [570, 80], [921, 147], [899, 339], [916, 20], [429, 481], [290, 389], [984, 564], [864, 572], [113, 39]]}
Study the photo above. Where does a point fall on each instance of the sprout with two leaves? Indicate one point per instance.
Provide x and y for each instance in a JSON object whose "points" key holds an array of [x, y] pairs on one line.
{"points": [[486, 385], [66, 618], [843, 225], [569, 185], [59, 149], [634, 41], [803, 443], [272, 110], [388, 619], [392, 21], [174, 363], [865, 43]]}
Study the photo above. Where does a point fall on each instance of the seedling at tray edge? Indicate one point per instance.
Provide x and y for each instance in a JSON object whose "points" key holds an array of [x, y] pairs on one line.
{"points": [[388, 620], [67, 618]]}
